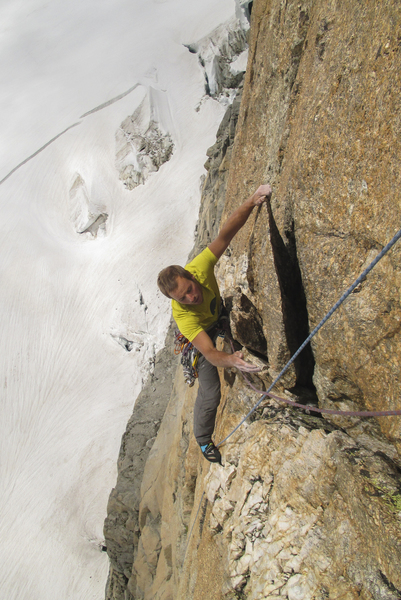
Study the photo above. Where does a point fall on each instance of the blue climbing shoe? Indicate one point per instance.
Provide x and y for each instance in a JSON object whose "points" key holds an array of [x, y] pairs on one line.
{"points": [[211, 453]]}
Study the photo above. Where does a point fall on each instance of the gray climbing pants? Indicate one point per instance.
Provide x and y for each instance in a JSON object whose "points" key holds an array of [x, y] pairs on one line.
{"points": [[207, 401]]}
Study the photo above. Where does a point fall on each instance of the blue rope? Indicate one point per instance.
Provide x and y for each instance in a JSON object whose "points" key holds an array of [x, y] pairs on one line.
{"points": [[361, 277]]}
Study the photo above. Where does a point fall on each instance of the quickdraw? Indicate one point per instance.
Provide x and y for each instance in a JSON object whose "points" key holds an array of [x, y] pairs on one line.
{"points": [[189, 358]]}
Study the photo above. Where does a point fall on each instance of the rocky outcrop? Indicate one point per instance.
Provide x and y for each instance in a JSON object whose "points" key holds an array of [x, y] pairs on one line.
{"points": [[305, 507], [298, 511], [86, 213], [144, 140], [223, 54]]}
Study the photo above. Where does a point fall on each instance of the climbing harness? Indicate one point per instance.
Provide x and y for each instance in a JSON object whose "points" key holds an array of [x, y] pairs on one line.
{"points": [[190, 355], [189, 358]]}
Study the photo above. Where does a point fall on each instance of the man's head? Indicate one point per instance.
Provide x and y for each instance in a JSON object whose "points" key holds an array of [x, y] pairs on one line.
{"points": [[177, 283]]}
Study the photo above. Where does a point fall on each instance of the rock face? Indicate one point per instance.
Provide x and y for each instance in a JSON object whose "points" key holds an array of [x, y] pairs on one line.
{"points": [[305, 507], [320, 121]]}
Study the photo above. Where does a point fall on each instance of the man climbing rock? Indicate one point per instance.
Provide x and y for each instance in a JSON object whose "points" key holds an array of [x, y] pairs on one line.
{"points": [[196, 308]]}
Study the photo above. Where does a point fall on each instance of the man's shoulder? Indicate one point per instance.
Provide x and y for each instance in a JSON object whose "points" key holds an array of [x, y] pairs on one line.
{"points": [[204, 260]]}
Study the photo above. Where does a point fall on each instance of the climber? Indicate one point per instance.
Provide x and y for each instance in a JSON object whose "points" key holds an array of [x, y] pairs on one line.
{"points": [[196, 305]]}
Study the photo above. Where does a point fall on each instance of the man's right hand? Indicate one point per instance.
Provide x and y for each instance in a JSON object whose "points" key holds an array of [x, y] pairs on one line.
{"points": [[242, 365], [204, 344]]}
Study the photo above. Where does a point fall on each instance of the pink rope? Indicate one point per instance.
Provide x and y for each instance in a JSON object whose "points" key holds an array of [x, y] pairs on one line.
{"points": [[330, 411]]}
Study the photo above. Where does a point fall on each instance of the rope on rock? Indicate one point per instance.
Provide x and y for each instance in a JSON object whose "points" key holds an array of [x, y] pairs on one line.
{"points": [[330, 411], [193, 525], [361, 277]]}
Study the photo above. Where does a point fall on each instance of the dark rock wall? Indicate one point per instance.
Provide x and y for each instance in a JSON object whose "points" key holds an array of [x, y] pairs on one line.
{"points": [[121, 528], [215, 184]]}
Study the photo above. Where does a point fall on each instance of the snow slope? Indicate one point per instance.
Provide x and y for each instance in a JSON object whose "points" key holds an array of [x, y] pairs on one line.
{"points": [[70, 74]]}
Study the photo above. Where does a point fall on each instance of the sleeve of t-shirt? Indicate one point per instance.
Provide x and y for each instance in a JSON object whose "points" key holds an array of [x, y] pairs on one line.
{"points": [[202, 263]]}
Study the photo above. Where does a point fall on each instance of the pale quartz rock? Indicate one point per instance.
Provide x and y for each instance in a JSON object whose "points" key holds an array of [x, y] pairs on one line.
{"points": [[243, 563], [222, 509], [274, 570], [255, 525], [212, 485], [258, 552], [267, 485], [238, 493], [297, 588], [238, 581], [276, 585], [273, 519], [283, 524], [249, 548], [254, 498], [230, 276], [227, 475], [274, 548], [284, 555], [323, 563], [214, 524], [293, 565], [303, 431], [237, 545]]}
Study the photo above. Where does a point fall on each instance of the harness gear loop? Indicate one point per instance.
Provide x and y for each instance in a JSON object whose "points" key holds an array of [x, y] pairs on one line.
{"points": [[189, 358], [190, 354]]}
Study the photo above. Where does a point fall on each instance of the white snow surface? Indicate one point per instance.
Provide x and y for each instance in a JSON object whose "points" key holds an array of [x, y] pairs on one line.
{"points": [[68, 386]]}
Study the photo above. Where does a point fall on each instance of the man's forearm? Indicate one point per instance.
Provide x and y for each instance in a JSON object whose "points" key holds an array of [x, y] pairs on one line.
{"points": [[218, 358], [238, 219]]}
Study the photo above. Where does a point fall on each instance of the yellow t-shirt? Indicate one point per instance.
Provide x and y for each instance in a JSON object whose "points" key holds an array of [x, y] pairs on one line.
{"points": [[192, 319]]}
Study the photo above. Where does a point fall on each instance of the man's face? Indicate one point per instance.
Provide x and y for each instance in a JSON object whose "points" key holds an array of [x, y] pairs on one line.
{"points": [[188, 291]]}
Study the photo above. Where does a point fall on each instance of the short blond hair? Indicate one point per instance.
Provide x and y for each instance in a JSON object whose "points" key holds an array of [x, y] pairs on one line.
{"points": [[167, 278]]}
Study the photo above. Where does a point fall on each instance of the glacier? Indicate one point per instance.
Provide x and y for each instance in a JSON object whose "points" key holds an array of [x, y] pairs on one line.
{"points": [[81, 317]]}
